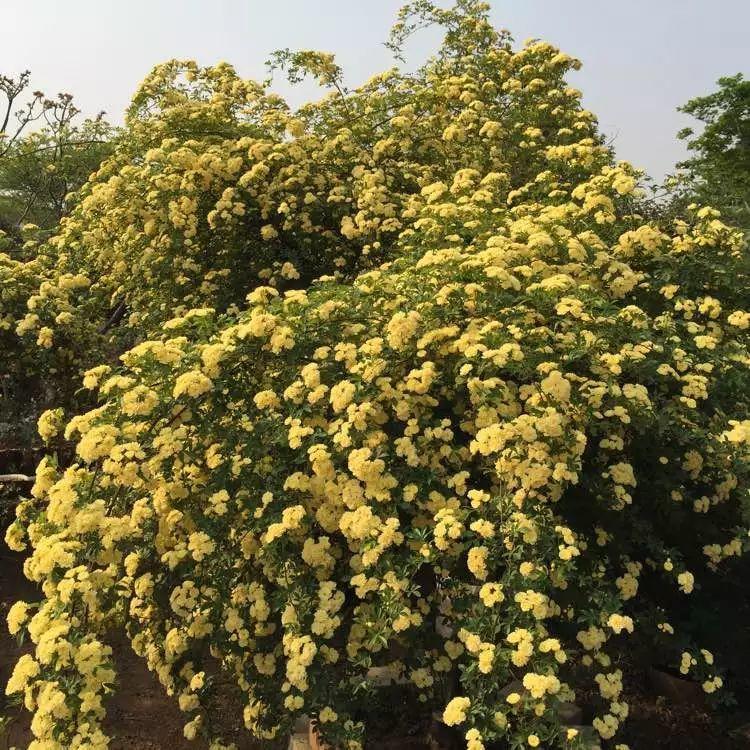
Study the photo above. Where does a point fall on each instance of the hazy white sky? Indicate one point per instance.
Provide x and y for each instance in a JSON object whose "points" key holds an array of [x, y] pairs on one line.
{"points": [[642, 58]]}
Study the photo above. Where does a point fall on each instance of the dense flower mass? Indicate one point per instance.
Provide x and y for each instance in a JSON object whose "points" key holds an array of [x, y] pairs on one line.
{"points": [[508, 434]]}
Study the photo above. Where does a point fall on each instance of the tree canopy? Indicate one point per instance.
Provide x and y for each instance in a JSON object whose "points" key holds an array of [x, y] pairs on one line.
{"points": [[718, 170]]}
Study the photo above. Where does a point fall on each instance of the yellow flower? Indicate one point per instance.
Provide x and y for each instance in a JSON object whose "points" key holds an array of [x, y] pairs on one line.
{"points": [[50, 424], [618, 623], [266, 400], [477, 562], [326, 715], [193, 383], [200, 545], [17, 616], [45, 337], [556, 386], [491, 594], [268, 232], [455, 711], [25, 670], [686, 581], [139, 400], [341, 395]]}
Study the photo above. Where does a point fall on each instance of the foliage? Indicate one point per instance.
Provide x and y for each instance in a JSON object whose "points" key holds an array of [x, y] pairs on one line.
{"points": [[498, 441], [45, 154], [718, 170], [45, 157]]}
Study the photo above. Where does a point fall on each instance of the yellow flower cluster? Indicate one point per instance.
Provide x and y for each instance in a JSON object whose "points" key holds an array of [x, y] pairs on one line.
{"points": [[458, 442]]}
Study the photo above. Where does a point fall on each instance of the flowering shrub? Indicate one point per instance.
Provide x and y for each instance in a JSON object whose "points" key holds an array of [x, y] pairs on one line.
{"points": [[510, 446], [215, 186], [27, 363]]}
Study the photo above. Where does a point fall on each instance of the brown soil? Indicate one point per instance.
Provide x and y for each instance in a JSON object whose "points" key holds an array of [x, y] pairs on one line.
{"points": [[657, 724]]}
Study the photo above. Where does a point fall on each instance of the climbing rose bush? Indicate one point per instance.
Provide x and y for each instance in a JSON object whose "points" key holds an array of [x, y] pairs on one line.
{"points": [[488, 463], [215, 186]]}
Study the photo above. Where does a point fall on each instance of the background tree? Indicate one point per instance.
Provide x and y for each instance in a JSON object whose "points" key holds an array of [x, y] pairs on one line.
{"points": [[46, 154], [718, 171]]}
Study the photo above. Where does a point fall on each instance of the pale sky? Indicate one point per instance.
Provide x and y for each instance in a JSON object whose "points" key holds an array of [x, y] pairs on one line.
{"points": [[641, 58]]}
